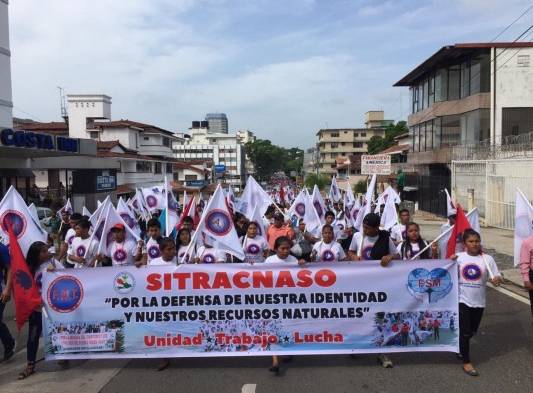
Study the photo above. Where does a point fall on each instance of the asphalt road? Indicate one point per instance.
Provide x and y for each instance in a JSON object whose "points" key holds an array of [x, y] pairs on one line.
{"points": [[502, 352]]}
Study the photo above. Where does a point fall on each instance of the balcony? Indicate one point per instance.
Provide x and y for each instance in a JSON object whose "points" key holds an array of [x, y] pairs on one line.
{"points": [[438, 156]]}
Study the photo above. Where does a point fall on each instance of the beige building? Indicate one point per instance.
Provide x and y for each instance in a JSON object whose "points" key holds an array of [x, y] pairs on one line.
{"points": [[341, 143]]}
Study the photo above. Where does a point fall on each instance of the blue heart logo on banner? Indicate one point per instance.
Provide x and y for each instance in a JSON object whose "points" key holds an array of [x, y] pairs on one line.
{"points": [[436, 284]]}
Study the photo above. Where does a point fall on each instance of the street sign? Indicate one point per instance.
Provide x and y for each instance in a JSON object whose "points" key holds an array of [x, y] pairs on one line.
{"points": [[378, 164], [219, 168], [195, 183]]}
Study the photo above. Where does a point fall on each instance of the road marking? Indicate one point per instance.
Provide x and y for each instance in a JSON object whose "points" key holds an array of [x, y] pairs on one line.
{"points": [[248, 388], [510, 294]]}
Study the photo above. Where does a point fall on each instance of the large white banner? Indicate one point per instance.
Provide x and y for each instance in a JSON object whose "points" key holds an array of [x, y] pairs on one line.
{"points": [[243, 310]]}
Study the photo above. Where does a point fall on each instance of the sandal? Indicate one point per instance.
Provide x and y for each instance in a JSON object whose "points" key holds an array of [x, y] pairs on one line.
{"points": [[30, 369], [163, 365]]}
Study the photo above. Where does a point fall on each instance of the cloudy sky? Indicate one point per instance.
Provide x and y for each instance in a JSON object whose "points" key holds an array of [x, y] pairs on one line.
{"points": [[281, 68]]}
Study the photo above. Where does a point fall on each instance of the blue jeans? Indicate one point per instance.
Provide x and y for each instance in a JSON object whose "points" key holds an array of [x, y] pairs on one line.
{"points": [[5, 336]]}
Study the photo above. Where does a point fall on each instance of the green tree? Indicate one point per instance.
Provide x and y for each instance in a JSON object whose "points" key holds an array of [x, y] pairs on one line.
{"points": [[378, 144], [360, 187], [320, 180], [268, 158]]}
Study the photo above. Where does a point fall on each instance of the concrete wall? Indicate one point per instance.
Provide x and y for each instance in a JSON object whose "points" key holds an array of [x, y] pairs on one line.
{"points": [[6, 114], [126, 136], [512, 84]]}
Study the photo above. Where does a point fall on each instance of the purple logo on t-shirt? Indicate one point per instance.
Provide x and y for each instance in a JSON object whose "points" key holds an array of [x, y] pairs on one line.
{"points": [[119, 255], [328, 256], [153, 251], [253, 249], [80, 251], [208, 258]]}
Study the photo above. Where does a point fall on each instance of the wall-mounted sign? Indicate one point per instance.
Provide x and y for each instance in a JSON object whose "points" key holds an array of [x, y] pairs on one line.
{"points": [[219, 168], [378, 164], [37, 140], [106, 181]]}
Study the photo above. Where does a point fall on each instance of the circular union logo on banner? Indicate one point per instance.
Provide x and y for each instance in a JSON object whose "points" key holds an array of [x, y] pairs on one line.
{"points": [[124, 282], [218, 222], [65, 294], [12, 218]]}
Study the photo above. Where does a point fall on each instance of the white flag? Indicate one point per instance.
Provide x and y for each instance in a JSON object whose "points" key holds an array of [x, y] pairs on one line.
{"points": [[67, 208], [172, 206], [450, 206], [85, 212], [319, 204], [111, 219], [253, 195], [354, 212], [257, 219], [389, 218], [347, 205], [15, 213], [216, 226], [94, 218], [350, 199], [302, 208], [523, 223], [334, 192], [127, 216], [154, 198], [33, 211]]}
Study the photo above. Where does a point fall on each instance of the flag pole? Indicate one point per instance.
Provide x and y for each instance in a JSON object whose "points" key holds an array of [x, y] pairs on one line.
{"points": [[440, 236]]}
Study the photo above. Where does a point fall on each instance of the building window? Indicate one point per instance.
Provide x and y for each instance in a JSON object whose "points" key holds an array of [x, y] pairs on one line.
{"points": [[345, 132], [334, 145], [333, 155], [166, 142], [333, 166], [158, 167], [516, 121], [454, 82], [363, 135], [168, 168], [146, 138], [93, 134], [342, 143], [143, 166], [357, 144], [450, 130], [355, 134], [191, 177], [522, 61], [465, 79], [334, 134]]}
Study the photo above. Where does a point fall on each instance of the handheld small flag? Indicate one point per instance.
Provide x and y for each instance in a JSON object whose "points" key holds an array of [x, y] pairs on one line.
{"points": [[461, 225]]}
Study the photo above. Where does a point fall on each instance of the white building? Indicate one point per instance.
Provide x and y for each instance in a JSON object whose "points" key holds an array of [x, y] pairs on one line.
{"points": [[6, 104], [223, 149]]}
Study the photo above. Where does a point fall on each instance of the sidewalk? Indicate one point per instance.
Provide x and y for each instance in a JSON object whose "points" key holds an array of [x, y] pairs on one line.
{"points": [[497, 242]]}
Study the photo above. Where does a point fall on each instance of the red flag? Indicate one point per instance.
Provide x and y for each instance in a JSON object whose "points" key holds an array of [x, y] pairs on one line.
{"points": [[25, 291], [461, 225], [186, 212]]}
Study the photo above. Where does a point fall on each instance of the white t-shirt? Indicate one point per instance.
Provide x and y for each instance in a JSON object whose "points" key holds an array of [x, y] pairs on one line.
{"points": [[152, 249], [210, 255], [254, 249], [122, 254], [69, 236], [415, 249], [159, 261], [398, 233], [473, 276], [42, 268], [368, 243], [83, 247], [275, 259], [181, 252], [331, 252]]}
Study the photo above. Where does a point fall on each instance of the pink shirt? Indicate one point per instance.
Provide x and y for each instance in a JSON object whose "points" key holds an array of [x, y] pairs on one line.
{"points": [[526, 258]]}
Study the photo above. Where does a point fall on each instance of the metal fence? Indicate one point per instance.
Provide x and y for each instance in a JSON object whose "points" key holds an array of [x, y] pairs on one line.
{"points": [[490, 185]]}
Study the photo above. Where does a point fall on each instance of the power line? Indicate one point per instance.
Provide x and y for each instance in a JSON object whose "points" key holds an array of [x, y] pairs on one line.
{"points": [[512, 23]]}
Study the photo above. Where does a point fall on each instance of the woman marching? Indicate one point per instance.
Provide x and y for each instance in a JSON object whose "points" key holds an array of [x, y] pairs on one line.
{"points": [[38, 260], [414, 244], [475, 269]]}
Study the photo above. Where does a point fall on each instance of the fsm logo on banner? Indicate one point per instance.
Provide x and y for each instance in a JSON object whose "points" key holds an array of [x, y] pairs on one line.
{"points": [[124, 283], [431, 285], [65, 294], [15, 220]]}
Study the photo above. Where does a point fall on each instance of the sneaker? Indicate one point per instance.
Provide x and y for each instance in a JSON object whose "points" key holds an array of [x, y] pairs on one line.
{"points": [[385, 361]]}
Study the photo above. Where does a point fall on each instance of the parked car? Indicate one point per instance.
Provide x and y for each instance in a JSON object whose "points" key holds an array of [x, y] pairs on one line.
{"points": [[44, 215]]}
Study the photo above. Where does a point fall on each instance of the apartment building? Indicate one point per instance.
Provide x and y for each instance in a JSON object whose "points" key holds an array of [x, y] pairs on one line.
{"points": [[465, 97]]}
